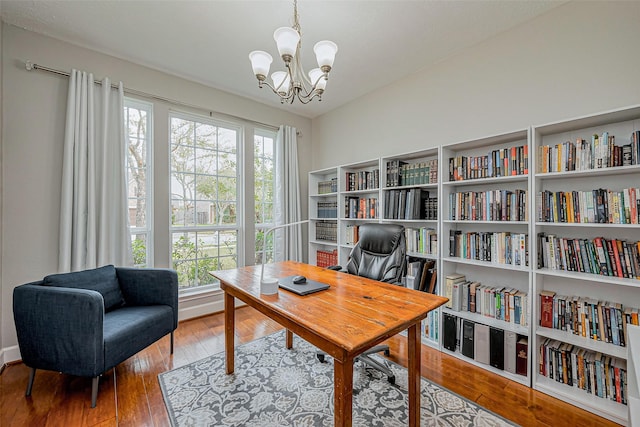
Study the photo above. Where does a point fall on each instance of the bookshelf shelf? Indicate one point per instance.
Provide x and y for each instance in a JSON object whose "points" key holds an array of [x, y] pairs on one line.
{"points": [[604, 408], [486, 264], [583, 342], [589, 152], [513, 377], [496, 323]]}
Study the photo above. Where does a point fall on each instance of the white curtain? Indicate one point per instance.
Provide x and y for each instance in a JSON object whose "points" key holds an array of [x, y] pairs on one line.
{"points": [[94, 224], [288, 241]]}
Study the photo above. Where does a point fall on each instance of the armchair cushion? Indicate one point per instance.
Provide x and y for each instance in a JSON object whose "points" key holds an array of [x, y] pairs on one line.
{"points": [[103, 280]]}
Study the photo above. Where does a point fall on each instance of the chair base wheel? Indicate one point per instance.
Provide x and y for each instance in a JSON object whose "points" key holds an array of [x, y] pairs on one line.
{"points": [[321, 358]]}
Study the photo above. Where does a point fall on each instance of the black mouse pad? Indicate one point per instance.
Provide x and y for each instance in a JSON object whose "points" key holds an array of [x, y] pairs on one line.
{"points": [[309, 287]]}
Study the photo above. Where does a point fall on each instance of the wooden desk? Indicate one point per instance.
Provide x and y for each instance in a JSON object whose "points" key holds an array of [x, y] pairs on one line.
{"points": [[353, 315]]}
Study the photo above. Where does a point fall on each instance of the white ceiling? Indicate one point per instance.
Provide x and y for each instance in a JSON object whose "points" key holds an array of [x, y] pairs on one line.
{"points": [[379, 42]]}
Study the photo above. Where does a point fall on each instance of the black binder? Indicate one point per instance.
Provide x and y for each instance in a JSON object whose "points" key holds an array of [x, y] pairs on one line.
{"points": [[449, 339], [467, 338], [496, 348]]}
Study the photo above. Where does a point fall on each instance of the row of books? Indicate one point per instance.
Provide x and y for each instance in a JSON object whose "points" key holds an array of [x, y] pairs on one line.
{"points": [[595, 373], [597, 320], [352, 234], [503, 162], [360, 207], [362, 180], [607, 257], [421, 275], [501, 349], [431, 326], [400, 173], [327, 231], [413, 203], [599, 152], [421, 240], [595, 206], [501, 247], [325, 187], [492, 205], [326, 258], [498, 302], [328, 209]]}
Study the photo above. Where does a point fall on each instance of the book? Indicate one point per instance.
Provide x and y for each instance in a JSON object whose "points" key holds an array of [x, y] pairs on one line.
{"points": [[510, 351], [522, 358], [546, 308], [449, 338], [468, 328], [481, 343], [448, 286], [496, 348]]}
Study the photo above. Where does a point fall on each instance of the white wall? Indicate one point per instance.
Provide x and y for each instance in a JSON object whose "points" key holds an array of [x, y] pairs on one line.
{"points": [[34, 106], [580, 58], [1, 185]]}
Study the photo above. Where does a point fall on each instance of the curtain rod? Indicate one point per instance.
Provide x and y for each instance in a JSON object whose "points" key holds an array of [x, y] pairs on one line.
{"points": [[31, 66]]}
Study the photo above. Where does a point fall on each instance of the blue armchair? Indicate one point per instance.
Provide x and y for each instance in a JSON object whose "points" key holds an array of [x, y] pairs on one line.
{"points": [[85, 323]]}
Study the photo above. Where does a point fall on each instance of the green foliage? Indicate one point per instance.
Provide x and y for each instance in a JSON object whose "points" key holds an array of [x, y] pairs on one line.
{"points": [[139, 249]]}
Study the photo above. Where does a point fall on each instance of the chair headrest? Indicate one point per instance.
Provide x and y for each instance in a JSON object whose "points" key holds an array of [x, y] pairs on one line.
{"points": [[380, 238]]}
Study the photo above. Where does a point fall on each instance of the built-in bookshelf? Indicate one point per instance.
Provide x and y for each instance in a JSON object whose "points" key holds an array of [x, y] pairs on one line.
{"points": [[410, 197], [586, 276], [323, 217], [485, 192], [535, 240]]}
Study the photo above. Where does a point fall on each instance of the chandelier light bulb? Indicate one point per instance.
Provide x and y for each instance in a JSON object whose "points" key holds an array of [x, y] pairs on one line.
{"points": [[287, 40], [281, 81], [325, 54], [260, 62], [317, 77]]}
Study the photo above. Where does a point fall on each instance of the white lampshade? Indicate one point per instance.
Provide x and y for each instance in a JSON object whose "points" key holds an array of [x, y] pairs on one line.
{"points": [[316, 74], [325, 53], [260, 62], [281, 77], [287, 40]]}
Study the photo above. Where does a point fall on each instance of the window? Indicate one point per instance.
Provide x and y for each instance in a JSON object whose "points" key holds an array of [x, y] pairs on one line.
{"points": [[205, 212], [264, 185], [137, 116]]}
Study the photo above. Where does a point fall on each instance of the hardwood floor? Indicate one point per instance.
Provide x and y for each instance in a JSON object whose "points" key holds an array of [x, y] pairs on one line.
{"points": [[129, 394]]}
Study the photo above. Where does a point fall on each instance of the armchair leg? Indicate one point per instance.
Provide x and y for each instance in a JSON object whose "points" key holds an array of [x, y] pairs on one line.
{"points": [[94, 391], [171, 342], [32, 376]]}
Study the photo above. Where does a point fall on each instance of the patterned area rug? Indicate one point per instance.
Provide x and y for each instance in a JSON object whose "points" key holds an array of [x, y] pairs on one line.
{"points": [[275, 387]]}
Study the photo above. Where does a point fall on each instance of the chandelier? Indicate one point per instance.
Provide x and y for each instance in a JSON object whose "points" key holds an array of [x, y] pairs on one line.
{"points": [[294, 83]]}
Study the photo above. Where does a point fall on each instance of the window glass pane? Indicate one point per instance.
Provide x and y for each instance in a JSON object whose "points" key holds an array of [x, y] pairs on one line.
{"points": [[204, 199], [137, 121]]}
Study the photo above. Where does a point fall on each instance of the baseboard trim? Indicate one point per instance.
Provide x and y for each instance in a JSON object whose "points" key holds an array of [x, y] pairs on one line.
{"points": [[9, 355]]}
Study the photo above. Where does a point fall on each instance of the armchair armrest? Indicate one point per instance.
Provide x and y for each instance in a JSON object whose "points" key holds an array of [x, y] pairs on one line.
{"points": [[60, 329], [149, 286]]}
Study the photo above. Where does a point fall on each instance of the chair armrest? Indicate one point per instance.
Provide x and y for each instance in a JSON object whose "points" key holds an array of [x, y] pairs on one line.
{"points": [[149, 286], [60, 329]]}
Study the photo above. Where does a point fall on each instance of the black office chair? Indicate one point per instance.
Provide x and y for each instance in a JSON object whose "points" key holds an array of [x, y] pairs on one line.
{"points": [[378, 255]]}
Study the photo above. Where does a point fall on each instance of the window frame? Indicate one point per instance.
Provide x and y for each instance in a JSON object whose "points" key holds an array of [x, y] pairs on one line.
{"points": [[272, 134], [147, 231]]}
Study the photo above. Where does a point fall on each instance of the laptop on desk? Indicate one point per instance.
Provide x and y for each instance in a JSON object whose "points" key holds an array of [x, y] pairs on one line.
{"points": [[306, 288]]}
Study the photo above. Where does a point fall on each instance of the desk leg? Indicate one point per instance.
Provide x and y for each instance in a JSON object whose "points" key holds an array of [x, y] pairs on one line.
{"points": [[229, 331], [343, 392], [414, 374], [289, 340]]}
